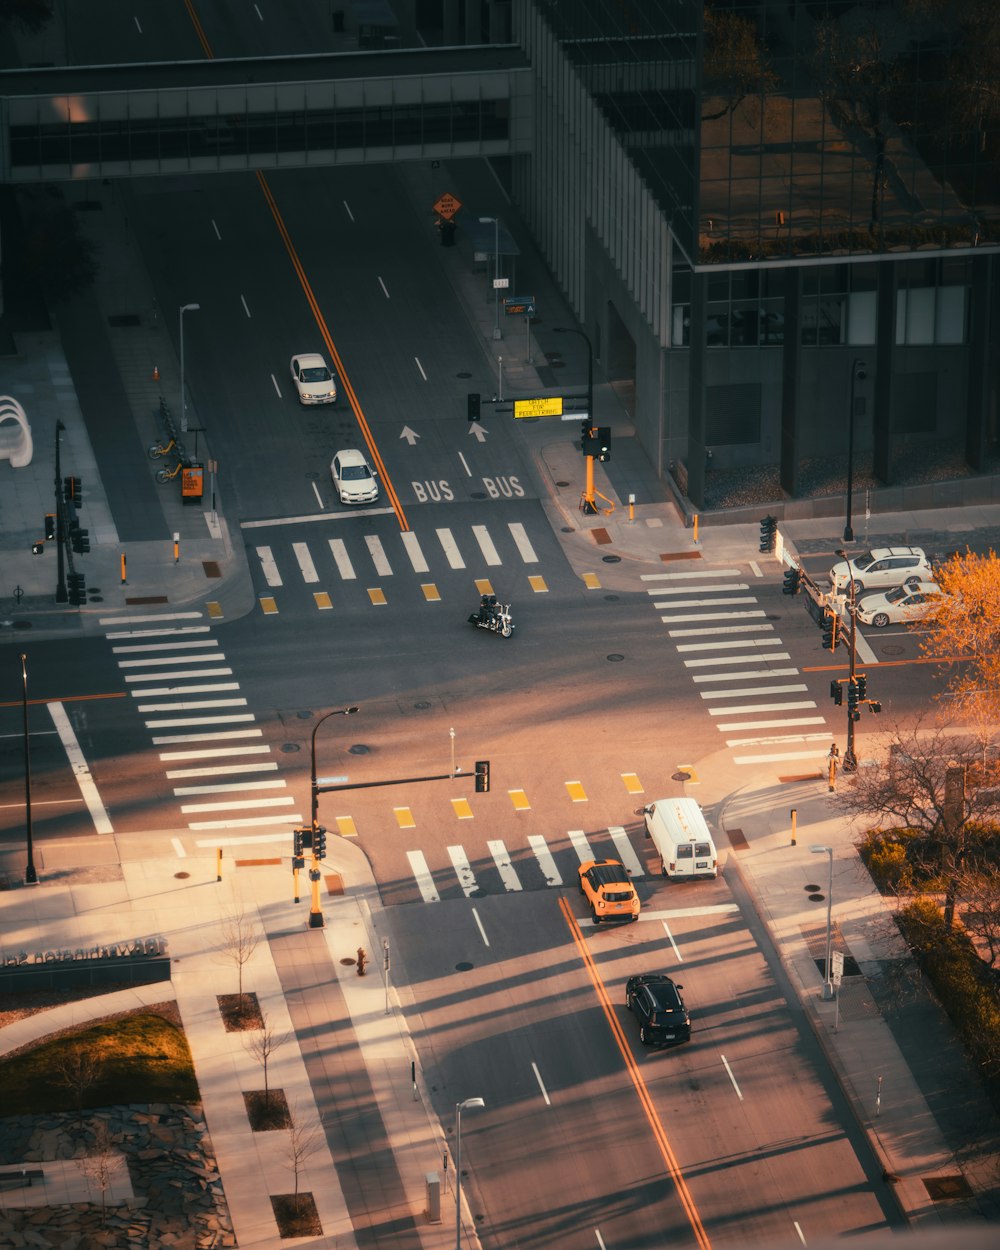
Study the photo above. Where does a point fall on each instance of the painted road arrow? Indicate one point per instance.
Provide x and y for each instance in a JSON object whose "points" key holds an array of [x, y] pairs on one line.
{"points": [[411, 436]]}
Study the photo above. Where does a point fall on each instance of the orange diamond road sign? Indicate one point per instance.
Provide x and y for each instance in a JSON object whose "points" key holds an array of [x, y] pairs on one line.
{"points": [[447, 206]]}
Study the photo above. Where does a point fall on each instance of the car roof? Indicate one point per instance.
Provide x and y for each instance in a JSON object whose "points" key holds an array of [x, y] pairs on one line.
{"points": [[880, 553], [310, 360], [351, 456], [659, 983], [609, 871]]}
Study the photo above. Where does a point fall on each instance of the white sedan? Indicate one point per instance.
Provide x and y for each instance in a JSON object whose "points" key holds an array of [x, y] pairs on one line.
{"points": [[353, 477], [900, 605], [313, 379]]}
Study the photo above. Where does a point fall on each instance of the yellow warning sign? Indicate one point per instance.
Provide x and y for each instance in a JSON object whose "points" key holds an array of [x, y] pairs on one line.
{"points": [[551, 407], [447, 206]]}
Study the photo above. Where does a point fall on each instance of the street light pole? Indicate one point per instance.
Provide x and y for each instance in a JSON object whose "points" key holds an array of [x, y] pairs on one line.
{"points": [[61, 592], [30, 875], [184, 308], [827, 980], [850, 762], [469, 1102], [496, 270], [588, 494], [315, 914], [857, 375]]}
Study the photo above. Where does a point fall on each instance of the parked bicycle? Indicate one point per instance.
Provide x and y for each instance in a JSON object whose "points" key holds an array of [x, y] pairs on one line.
{"points": [[156, 451], [167, 475]]}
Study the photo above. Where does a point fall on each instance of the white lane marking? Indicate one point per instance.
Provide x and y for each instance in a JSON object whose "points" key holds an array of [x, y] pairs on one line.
{"points": [[541, 1084], [305, 562], [256, 804], [200, 720], [580, 844], [490, 553], [740, 694], [222, 770], [466, 877], [544, 856], [501, 857], [716, 660], [865, 654], [422, 876], [750, 708], [412, 545], [670, 939], [712, 616], [208, 753], [705, 603], [687, 590], [347, 209], [246, 308], [420, 367], [450, 548], [165, 661], [669, 577], [482, 931], [157, 633], [190, 645], [252, 839], [777, 740], [382, 285], [173, 676], [149, 620], [523, 542], [306, 517], [319, 498], [215, 227], [277, 388], [377, 552], [748, 675], [214, 687], [781, 757], [728, 644], [465, 464], [268, 566], [228, 788], [798, 1229], [178, 846], [721, 629], [600, 1239], [788, 722], [739, 1093], [691, 913], [625, 851], [81, 769], [286, 819], [342, 560], [189, 705]]}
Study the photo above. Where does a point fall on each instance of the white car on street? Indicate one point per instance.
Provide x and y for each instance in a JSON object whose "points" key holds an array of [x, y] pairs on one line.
{"points": [[353, 477], [879, 568], [901, 605], [313, 379]]}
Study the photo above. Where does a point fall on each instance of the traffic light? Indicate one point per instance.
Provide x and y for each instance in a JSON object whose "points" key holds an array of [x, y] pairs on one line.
{"points": [[768, 533], [862, 680], [874, 706], [584, 436], [297, 842], [831, 629], [76, 585], [473, 400], [837, 693], [793, 579], [482, 776], [72, 490], [604, 442], [79, 538], [50, 525], [852, 700], [319, 843]]}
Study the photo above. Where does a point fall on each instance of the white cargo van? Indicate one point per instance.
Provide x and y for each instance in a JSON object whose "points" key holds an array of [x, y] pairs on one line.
{"points": [[682, 838]]}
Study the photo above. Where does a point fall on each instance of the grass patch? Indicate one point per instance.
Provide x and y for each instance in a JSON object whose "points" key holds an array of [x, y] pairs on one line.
{"points": [[138, 1057]]}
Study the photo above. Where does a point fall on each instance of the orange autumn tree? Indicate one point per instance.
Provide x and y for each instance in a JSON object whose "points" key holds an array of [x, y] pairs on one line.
{"points": [[963, 632]]}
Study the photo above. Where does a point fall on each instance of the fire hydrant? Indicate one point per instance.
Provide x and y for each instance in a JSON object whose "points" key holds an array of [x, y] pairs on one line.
{"points": [[362, 961]]}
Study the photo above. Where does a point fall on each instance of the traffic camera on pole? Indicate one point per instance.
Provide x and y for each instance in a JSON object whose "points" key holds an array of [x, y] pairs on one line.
{"points": [[792, 581]]}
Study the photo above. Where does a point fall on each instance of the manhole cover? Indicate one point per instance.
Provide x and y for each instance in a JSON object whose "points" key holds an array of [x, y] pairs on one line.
{"points": [[94, 590], [681, 777], [348, 962], [811, 888], [464, 374], [422, 705], [611, 559], [304, 714], [615, 658], [769, 617], [182, 876], [892, 649], [610, 598], [358, 748], [464, 966], [289, 747], [96, 598], [816, 898]]}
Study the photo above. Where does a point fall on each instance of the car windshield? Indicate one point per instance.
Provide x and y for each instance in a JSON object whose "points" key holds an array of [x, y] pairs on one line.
{"points": [[355, 472], [317, 374], [897, 593], [617, 896], [862, 562]]}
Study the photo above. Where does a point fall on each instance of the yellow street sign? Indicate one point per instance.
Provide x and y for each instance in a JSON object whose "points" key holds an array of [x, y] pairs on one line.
{"points": [[539, 407]]}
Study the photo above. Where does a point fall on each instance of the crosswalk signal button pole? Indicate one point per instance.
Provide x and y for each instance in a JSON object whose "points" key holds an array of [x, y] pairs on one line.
{"points": [[482, 776]]}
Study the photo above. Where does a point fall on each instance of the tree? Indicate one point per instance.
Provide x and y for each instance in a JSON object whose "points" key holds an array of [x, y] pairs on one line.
{"points": [[78, 1070], [102, 1164], [240, 936], [261, 1045], [963, 632], [979, 891], [735, 65], [303, 1142]]}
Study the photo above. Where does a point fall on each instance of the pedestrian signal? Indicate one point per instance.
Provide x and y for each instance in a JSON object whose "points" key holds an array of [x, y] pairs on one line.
{"points": [[482, 776]]}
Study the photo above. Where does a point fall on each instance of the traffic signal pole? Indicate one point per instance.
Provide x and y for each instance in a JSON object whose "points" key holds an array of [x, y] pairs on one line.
{"points": [[850, 762], [61, 595]]}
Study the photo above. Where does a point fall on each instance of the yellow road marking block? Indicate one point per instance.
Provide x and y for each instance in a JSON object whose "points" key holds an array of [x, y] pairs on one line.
{"points": [[376, 594], [692, 775], [484, 585], [346, 827], [268, 606], [462, 809], [431, 592], [323, 600], [592, 581], [537, 584], [404, 818], [520, 800], [214, 610], [632, 783], [576, 792]]}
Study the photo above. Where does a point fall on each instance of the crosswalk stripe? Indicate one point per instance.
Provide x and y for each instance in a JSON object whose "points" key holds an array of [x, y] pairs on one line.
{"points": [[165, 661], [184, 672], [522, 542], [626, 852], [200, 720], [463, 870], [268, 566], [777, 739], [450, 548], [544, 856], [422, 876], [286, 821], [228, 787], [720, 629], [505, 868], [749, 675], [180, 645], [712, 616], [412, 547], [716, 660], [791, 722], [727, 644], [687, 590], [338, 549], [189, 808], [222, 770], [740, 694], [189, 706], [579, 843], [669, 577], [704, 603], [214, 687], [780, 757], [158, 633], [750, 708], [377, 552], [222, 735], [490, 553], [305, 562], [207, 753]]}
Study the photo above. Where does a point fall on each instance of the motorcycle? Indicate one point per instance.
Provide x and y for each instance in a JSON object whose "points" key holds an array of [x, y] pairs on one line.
{"points": [[493, 616]]}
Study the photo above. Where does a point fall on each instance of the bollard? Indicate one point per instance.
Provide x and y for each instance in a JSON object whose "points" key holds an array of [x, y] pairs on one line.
{"points": [[177, 547], [794, 816], [218, 863], [695, 528], [631, 507], [362, 961], [124, 572]]}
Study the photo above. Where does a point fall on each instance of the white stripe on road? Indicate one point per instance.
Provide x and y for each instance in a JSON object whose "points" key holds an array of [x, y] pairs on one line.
{"points": [[741, 694], [625, 851], [256, 804], [81, 769], [167, 646], [791, 722], [268, 566], [544, 857], [412, 547], [705, 603], [501, 857], [223, 770], [776, 740], [305, 562], [490, 553], [287, 819], [377, 552], [523, 543], [165, 661], [579, 843], [149, 620], [541, 1084], [781, 758], [184, 672], [190, 706], [222, 736], [450, 549], [728, 644], [345, 568], [158, 633], [228, 788], [210, 688], [749, 675], [712, 616], [764, 658], [687, 590], [235, 719], [749, 708], [463, 869], [669, 577], [721, 629], [422, 876]]}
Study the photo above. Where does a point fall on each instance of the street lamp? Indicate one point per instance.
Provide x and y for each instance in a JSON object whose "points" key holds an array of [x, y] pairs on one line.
{"points": [[850, 764], [469, 1102], [315, 915], [588, 496], [827, 982], [857, 375], [30, 875], [496, 269], [61, 592], [184, 308]]}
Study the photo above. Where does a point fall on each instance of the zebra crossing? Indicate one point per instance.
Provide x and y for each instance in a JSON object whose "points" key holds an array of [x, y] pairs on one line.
{"points": [[740, 667]]}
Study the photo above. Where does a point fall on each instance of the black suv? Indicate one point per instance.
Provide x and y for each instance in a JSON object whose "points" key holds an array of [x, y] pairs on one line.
{"points": [[656, 1002]]}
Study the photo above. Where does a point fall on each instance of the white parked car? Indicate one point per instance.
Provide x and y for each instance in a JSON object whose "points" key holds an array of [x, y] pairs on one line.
{"points": [[881, 567], [353, 477], [313, 379], [902, 604]]}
